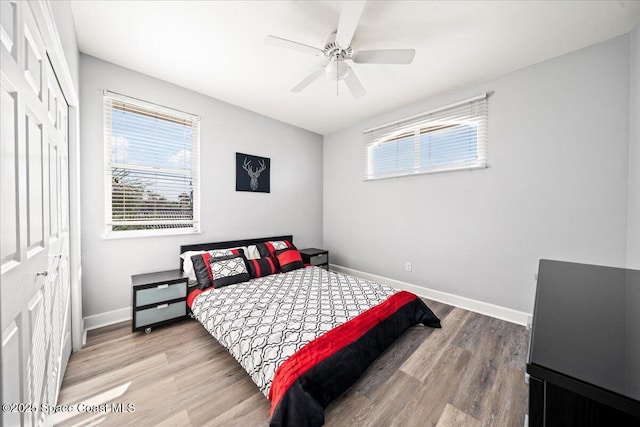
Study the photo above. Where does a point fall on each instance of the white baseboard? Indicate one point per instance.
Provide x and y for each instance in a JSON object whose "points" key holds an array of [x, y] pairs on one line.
{"points": [[108, 318], [521, 318], [503, 313]]}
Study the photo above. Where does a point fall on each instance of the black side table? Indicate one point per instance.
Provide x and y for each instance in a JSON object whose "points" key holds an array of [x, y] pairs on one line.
{"points": [[158, 298], [317, 257]]}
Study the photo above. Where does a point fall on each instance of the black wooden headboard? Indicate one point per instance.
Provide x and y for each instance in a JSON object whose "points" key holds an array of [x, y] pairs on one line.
{"points": [[229, 244]]}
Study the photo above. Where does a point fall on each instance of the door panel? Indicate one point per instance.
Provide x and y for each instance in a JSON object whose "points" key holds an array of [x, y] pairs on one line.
{"points": [[35, 181], [52, 102], [32, 54], [37, 356], [8, 19], [54, 183], [8, 171], [11, 369], [63, 211]]}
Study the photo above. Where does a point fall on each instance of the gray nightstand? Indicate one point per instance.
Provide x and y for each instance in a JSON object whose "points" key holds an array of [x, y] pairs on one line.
{"points": [[158, 298]]}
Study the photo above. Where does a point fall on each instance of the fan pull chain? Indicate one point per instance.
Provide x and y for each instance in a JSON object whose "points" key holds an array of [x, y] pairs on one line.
{"points": [[337, 85]]}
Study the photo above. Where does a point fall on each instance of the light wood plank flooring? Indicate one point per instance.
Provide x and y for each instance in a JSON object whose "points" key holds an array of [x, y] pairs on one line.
{"points": [[469, 373]]}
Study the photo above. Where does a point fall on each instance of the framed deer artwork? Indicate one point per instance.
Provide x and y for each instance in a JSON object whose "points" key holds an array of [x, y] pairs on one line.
{"points": [[253, 173]]}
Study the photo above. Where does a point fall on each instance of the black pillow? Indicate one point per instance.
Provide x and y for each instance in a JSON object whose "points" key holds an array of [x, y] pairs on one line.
{"points": [[262, 267], [202, 270], [269, 248]]}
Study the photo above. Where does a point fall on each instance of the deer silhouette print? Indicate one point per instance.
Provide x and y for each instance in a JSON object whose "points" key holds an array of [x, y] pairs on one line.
{"points": [[253, 174]]}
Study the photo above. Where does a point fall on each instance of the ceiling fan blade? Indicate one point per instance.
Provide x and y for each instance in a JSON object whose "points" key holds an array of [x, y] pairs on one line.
{"points": [[278, 41], [349, 18], [384, 56], [310, 78], [354, 85]]}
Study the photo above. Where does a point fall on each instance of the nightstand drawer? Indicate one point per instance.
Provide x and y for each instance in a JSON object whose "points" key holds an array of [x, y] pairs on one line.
{"points": [[319, 259], [159, 293], [160, 313]]}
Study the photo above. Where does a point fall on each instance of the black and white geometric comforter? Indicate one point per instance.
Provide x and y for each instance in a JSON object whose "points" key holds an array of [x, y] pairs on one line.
{"points": [[305, 336], [264, 321]]}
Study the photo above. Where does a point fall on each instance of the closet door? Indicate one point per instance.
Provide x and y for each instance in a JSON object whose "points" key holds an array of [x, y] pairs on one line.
{"points": [[34, 251]]}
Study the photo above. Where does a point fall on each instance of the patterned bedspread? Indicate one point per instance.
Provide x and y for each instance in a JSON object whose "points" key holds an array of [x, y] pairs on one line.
{"points": [[305, 336], [264, 321]]}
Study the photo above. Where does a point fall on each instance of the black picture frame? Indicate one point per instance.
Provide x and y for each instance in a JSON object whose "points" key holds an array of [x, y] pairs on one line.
{"points": [[253, 173]]}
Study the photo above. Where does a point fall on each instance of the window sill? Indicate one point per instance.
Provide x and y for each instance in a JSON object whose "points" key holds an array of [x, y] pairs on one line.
{"points": [[434, 171], [115, 235]]}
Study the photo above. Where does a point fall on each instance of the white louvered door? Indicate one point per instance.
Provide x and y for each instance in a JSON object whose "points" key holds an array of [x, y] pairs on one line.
{"points": [[34, 252]]}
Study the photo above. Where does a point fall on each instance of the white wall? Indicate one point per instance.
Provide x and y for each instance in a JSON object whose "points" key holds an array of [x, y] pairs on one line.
{"points": [[556, 186], [633, 238], [293, 206]]}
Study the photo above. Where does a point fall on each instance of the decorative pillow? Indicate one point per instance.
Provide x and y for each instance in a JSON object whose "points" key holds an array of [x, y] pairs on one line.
{"points": [[227, 270], [289, 259], [262, 267], [202, 268], [251, 252], [269, 248], [187, 265]]}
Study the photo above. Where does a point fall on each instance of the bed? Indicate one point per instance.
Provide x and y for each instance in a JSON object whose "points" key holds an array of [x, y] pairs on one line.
{"points": [[303, 335]]}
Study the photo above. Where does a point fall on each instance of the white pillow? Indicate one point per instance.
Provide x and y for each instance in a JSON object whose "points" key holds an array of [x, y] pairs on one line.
{"points": [[251, 252]]}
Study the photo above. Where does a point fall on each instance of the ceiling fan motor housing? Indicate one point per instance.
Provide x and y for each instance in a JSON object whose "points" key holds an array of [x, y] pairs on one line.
{"points": [[337, 69]]}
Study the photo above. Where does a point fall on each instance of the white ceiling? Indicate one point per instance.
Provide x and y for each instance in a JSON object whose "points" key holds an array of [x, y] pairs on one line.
{"points": [[217, 47]]}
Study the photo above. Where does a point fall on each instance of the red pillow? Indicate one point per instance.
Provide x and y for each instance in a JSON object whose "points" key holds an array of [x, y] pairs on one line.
{"points": [[269, 248], [289, 259]]}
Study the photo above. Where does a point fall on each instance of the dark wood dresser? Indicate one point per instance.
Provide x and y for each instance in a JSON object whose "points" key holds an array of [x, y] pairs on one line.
{"points": [[584, 354]]}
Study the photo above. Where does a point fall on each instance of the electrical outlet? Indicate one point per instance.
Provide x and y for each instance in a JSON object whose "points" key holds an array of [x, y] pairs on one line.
{"points": [[407, 266]]}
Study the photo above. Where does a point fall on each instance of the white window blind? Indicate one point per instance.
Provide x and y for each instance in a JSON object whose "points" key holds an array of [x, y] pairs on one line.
{"points": [[450, 138], [151, 168]]}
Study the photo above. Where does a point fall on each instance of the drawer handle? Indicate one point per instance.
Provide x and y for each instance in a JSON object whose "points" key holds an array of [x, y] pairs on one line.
{"points": [[165, 286], [161, 306]]}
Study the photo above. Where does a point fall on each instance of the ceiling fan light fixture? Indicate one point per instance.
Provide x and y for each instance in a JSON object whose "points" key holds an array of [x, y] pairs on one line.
{"points": [[337, 50], [337, 70]]}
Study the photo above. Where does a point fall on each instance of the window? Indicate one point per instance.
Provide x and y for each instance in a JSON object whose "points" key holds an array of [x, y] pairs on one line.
{"points": [[151, 168], [449, 138]]}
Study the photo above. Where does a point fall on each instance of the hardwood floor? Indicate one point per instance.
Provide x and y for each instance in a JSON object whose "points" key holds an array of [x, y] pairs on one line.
{"points": [[469, 373]]}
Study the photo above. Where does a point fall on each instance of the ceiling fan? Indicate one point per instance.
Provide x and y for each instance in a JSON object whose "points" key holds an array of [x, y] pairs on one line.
{"points": [[337, 50]]}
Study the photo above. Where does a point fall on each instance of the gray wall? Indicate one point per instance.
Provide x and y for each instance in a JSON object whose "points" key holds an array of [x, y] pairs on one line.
{"points": [[293, 206], [556, 186], [633, 240]]}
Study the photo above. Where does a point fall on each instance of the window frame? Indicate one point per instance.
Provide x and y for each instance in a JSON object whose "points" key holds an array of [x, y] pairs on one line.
{"points": [[164, 113], [413, 127]]}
